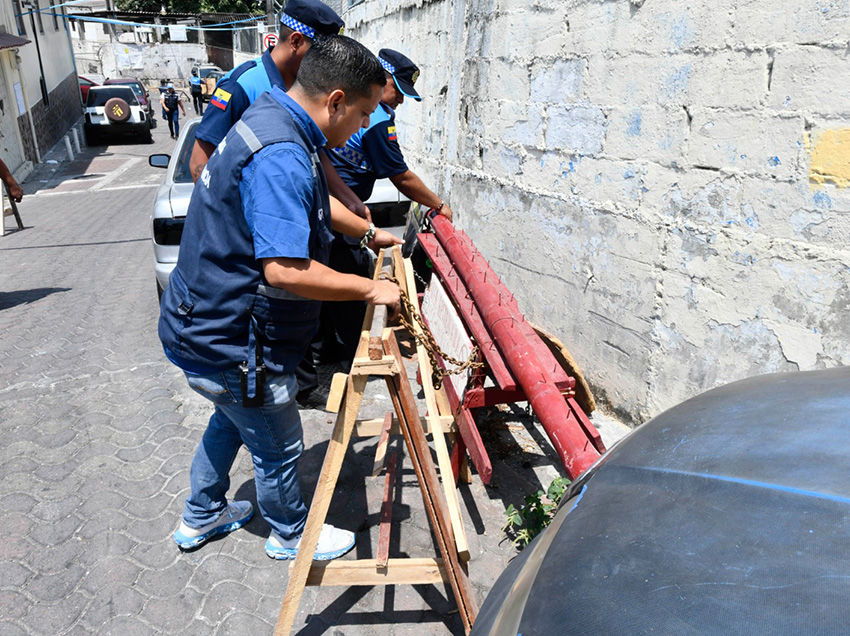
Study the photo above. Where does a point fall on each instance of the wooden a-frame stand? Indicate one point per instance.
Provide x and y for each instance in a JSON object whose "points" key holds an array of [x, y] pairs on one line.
{"points": [[378, 355]]}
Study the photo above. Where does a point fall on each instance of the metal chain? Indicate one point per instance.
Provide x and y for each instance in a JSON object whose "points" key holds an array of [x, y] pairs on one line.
{"points": [[424, 337]]}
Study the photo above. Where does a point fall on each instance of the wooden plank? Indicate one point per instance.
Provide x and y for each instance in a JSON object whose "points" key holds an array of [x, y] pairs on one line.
{"points": [[321, 502], [383, 365], [383, 442], [584, 396], [433, 417], [410, 571], [336, 392], [383, 554], [432, 493], [372, 427]]}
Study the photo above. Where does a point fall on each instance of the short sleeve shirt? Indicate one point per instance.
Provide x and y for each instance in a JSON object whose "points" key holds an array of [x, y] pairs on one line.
{"points": [[278, 194], [234, 93], [372, 153]]}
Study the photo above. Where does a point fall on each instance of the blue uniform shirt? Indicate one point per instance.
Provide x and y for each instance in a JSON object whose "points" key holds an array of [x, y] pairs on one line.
{"points": [[372, 153], [278, 194], [234, 93]]}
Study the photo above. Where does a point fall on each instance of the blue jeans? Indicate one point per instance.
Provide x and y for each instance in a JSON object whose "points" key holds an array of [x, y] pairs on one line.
{"points": [[272, 433], [173, 122]]}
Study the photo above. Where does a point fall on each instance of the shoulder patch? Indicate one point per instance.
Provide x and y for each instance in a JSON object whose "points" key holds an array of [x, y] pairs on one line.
{"points": [[391, 134], [220, 98]]}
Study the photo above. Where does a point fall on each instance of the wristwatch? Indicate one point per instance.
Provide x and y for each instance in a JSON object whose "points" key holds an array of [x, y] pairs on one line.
{"points": [[370, 234]]}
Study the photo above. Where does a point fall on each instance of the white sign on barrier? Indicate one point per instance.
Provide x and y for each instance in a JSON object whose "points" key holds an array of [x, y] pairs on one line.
{"points": [[448, 330]]}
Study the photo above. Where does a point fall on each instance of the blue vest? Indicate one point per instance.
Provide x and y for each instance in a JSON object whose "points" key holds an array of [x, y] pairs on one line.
{"points": [[218, 285]]}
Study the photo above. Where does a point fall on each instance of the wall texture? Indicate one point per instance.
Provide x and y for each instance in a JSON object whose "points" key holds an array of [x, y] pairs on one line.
{"points": [[662, 184]]}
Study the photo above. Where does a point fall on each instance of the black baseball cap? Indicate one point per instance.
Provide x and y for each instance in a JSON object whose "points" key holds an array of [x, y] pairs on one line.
{"points": [[404, 72], [311, 18]]}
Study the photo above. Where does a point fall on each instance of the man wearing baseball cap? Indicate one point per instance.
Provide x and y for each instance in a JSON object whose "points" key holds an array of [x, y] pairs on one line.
{"points": [[374, 153], [301, 22], [370, 154]]}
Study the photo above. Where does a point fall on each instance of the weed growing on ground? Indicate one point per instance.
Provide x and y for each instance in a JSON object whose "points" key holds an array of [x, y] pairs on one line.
{"points": [[531, 519]]}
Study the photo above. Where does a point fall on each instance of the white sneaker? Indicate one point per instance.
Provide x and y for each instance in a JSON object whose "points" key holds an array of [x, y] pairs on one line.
{"points": [[333, 543], [232, 518]]}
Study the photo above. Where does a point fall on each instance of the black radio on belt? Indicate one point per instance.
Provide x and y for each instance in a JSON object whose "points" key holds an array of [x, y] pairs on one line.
{"points": [[260, 375]]}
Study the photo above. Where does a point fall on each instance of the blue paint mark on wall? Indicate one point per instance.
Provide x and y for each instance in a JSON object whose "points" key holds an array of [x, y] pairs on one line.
{"points": [[635, 122], [681, 33], [678, 81], [773, 161], [822, 200]]}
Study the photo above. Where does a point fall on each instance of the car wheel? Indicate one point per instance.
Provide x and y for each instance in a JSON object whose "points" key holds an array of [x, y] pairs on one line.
{"points": [[146, 136]]}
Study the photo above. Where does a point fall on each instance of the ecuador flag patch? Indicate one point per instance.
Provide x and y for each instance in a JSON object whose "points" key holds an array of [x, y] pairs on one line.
{"points": [[391, 134], [220, 99]]}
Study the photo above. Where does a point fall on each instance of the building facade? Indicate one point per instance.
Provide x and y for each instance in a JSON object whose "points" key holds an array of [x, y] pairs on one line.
{"points": [[39, 93]]}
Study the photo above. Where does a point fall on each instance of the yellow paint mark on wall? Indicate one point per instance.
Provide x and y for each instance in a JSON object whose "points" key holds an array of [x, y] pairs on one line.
{"points": [[830, 157]]}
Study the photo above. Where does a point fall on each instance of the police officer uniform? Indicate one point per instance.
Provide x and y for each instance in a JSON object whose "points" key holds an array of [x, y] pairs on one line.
{"points": [[171, 100], [240, 87], [197, 93], [262, 195], [372, 153]]}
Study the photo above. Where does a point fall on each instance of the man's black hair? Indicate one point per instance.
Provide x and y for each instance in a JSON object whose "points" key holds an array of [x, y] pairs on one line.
{"points": [[338, 62]]}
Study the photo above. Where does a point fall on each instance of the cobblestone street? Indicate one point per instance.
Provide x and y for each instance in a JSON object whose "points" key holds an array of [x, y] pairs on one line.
{"points": [[97, 431]]}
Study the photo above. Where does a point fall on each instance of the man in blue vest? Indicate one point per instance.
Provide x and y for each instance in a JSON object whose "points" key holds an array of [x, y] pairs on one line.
{"points": [[170, 101], [301, 23], [244, 299]]}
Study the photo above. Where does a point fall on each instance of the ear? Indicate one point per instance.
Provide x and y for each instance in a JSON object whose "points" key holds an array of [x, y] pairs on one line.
{"points": [[297, 40], [335, 100]]}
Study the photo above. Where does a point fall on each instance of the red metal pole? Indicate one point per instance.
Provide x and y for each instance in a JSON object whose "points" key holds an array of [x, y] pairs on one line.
{"points": [[499, 312]]}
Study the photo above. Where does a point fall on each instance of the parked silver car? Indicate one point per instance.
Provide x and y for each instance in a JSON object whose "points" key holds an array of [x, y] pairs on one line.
{"points": [[171, 203], [388, 205]]}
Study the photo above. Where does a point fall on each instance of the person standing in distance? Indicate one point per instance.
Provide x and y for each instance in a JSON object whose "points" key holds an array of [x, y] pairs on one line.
{"points": [[197, 92], [244, 299], [170, 102], [301, 23]]}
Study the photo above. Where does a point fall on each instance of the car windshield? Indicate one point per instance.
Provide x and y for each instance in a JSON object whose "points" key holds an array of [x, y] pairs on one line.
{"points": [[206, 71], [182, 174], [137, 88], [99, 96]]}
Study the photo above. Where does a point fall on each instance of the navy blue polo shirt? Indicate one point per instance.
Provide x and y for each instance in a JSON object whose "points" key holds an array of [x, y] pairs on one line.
{"points": [[234, 93], [372, 153]]}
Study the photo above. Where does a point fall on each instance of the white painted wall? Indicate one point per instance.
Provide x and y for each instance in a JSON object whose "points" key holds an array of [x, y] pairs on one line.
{"points": [[640, 173]]}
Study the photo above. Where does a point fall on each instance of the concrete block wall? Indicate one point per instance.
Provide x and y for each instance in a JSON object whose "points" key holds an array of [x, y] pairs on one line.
{"points": [[661, 184]]}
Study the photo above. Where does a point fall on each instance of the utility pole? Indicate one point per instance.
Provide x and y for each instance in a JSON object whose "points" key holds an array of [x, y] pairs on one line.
{"points": [[270, 16]]}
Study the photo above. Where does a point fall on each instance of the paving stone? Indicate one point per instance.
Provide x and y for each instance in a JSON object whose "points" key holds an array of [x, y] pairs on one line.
{"points": [[161, 583], [13, 605], [176, 611], [126, 626], [111, 572], [241, 623], [8, 628], [58, 616]]}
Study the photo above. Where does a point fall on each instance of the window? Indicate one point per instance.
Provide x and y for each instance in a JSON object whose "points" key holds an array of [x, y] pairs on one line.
{"points": [[38, 16], [19, 19], [55, 11], [98, 96]]}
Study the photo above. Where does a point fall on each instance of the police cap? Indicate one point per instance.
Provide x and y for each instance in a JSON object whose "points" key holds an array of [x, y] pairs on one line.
{"points": [[311, 18], [404, 72]]}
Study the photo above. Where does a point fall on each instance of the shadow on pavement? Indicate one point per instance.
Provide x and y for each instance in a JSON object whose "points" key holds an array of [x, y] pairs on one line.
{"points": [[26, 296]]}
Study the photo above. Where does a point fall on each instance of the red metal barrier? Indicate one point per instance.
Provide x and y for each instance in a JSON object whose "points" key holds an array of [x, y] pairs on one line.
{"points": [[536, 372]]}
